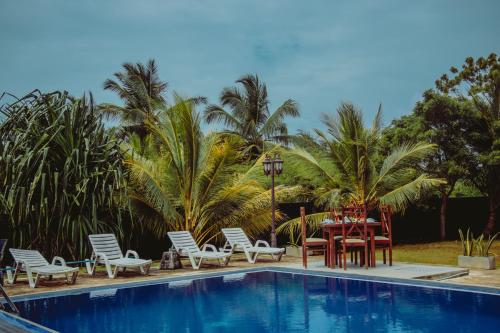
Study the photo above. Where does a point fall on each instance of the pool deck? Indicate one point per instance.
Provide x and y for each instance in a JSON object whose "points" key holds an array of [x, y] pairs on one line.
{"points": [[404, 271]]}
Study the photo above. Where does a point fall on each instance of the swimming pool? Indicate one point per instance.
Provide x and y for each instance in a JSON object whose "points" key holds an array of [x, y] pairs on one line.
{"points": [[268, 301]]}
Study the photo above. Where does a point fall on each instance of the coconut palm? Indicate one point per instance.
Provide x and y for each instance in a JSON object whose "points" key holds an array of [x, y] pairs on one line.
{"points": [[347, 169], [249, 114], [142, 92], [190, 183]]}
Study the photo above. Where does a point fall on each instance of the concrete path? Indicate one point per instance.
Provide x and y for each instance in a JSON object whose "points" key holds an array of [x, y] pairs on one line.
{"points": [[397, 270]]}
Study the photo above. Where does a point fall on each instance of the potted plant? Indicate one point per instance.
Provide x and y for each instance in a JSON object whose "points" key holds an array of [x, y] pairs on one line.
{"points": [[476, 251]]}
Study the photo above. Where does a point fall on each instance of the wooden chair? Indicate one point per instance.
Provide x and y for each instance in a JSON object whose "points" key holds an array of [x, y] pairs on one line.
{"points": [[311, 243], [355, 235], [384, 241]]}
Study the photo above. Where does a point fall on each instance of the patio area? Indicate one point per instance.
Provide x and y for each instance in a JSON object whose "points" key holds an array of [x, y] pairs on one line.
{"points": [[440, 273]]}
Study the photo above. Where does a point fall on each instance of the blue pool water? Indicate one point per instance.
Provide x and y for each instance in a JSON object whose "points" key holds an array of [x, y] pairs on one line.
{"points": [[268, 302]]}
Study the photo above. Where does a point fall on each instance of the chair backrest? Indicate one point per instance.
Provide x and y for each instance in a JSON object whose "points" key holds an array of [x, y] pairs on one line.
{"points": [[236, 236], [183, 241], [386, 220], [32, 258], [335, 215], [354, 222], [3, 245], [106, 244]]}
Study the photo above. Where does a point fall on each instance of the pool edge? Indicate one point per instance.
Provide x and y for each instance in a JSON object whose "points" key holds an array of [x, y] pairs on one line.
{"points": [[349, 276]]}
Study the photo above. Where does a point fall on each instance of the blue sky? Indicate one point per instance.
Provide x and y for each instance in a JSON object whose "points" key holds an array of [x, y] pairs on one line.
{"points": [[317, 52]]}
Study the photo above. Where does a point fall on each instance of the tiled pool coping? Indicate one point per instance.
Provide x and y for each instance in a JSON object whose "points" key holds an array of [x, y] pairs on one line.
{"points": [[11, 322], [407, 282]]}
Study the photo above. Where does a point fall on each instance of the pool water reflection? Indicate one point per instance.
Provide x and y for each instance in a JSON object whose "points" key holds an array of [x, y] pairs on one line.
{"points": [[268, 302]]}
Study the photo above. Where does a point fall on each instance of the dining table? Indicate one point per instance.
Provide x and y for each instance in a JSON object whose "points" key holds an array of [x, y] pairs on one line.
{"points": [[332, 229]]}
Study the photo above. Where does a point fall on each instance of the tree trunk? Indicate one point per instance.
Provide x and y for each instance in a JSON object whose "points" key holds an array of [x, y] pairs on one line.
{"points": [[442, 215], [488, 230]]}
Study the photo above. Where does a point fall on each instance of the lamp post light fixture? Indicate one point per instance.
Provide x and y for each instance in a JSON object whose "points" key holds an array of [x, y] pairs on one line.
{"points": [[273, 167]]}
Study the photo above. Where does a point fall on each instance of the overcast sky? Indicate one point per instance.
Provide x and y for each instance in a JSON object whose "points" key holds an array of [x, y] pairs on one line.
{"points": [[317, 52]]}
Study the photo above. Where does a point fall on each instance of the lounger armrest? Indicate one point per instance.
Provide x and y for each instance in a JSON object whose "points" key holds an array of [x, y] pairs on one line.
{"points": [[263, 242], [60, 260], [209, 246], [103, 256], [133, 253]]}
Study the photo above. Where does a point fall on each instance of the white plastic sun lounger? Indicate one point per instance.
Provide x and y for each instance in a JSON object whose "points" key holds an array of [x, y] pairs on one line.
{"points": [[106, 251], [185, 244], [238, 240], [32, 262]]}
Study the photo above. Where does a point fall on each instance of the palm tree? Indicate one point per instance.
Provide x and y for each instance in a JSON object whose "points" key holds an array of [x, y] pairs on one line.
{"points": [[347, 169], [190, 182], [249, 115], [142, 92]]}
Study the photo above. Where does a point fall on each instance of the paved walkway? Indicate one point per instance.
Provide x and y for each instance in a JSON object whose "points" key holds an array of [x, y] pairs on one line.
{"points": [[399, 270]]}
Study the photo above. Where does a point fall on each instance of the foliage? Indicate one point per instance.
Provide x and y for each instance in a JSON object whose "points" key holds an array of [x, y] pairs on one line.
{"points": [[479, 245], [249, 114], [479, 81], [467, 242], [142, 92], [60, 173], [190, 183], [347, 169], [441, 120]]}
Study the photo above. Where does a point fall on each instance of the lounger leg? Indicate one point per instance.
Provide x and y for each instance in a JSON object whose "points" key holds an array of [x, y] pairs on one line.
{"points": [[37, 280], [94, 267], [145, 269], [16, 272], [31, 281], [249, 257], [73, 278], [255, 257], [109, 271], [89, 267], [115, 273], [11, 278], [194, 263]]}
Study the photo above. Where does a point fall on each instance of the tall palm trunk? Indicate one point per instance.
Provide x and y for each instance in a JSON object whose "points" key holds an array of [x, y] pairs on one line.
{"points": [[442, 215]]}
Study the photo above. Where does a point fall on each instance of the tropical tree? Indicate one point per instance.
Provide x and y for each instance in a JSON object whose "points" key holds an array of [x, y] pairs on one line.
{"points": [[479, 81], [249, 115], [142, 92], [347, 169], [190, 182], [441, 120], [60, 173]]}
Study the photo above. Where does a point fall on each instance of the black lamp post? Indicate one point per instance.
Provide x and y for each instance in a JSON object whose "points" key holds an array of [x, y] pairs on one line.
{"points": [[272, 167]]}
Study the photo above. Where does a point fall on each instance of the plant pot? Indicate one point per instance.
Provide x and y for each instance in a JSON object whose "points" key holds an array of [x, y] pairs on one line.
{"points": [[296, 251], [477, 262]]}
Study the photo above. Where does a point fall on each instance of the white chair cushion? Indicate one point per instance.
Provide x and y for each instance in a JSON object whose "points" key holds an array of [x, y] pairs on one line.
{"points": [[316, 240]]}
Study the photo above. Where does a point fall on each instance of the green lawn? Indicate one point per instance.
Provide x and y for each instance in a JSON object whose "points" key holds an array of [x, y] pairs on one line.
{"points": [[444, 253]]}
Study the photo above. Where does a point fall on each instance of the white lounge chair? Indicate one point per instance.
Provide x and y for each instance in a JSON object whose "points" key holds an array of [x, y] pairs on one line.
{"points": [[238, 240], [184, 243], [32, 262], [106, 251]]}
